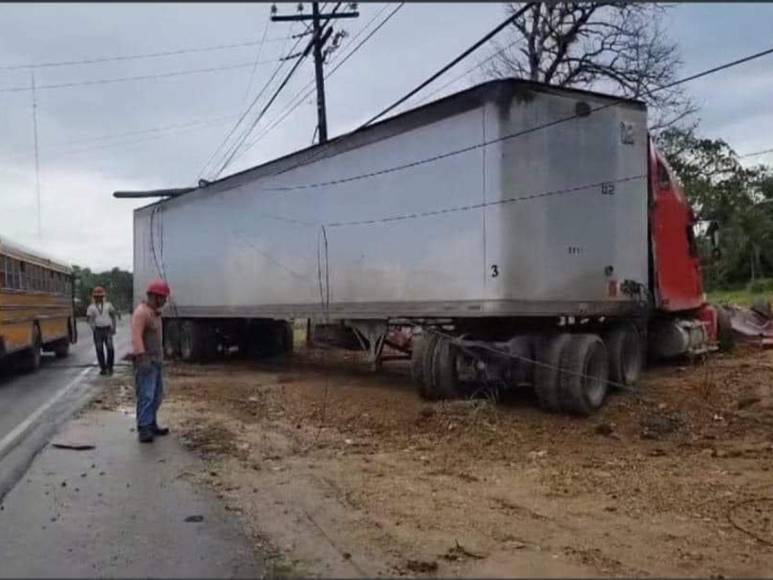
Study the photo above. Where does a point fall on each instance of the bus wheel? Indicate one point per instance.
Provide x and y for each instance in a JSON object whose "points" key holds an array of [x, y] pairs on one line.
{"points": [[31, 358], [62, 348]]}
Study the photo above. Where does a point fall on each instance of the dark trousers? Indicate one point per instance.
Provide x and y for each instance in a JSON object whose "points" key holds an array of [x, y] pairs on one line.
{"points": [[103, 341]]}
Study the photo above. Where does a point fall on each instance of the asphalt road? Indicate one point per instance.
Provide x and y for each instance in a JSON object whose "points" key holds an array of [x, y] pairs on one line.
{"points": [[33, 406]]}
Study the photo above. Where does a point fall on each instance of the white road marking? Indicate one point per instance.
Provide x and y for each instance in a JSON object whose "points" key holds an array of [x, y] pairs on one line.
{"points": [[19, 430]]}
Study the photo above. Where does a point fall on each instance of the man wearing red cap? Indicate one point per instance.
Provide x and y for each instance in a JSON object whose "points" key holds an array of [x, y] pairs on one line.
{"points": [[148, 354]]}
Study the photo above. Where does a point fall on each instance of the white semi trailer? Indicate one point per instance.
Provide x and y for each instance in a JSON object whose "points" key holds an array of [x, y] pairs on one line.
{"points": [[510, 222]]}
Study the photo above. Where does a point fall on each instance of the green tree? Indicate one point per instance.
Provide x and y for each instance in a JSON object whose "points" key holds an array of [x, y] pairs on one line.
{"points": [[722, 190], [118, 283]]}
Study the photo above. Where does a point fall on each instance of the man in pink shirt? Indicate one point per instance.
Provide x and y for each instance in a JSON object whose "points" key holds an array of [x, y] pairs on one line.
{"points": [[148, 354]]}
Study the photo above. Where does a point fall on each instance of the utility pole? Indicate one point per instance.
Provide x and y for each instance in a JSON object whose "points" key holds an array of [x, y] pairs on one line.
{"points": [[319, 21], [37, 155]]}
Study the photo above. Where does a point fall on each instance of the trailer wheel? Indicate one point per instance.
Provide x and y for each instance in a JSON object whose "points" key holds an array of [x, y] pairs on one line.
{"points": [[417, 360], [626, 357], [426, 390], [444, 381], [287, 336], [546, 381], [197, 342], [171, 339], [584, 374]]}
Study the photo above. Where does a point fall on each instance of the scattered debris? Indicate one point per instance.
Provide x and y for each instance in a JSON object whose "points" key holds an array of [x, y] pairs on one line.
{"points": [[421, 566], [74, 446], [194, 519], [459, 552], [748, 402]]}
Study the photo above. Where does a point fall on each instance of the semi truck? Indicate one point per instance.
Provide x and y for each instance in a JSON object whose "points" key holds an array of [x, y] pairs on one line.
{"points": [[526, 234]]}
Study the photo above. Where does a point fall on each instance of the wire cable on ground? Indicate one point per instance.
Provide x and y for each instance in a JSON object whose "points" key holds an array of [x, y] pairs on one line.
{"points": [[456, 341]]}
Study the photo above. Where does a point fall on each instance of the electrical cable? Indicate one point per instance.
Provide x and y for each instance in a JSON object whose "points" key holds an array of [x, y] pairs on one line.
{"points": [[520, 133], [135, 78], [235, 149], [308, 93], [246, 111], [160, 54], [507, 22]]}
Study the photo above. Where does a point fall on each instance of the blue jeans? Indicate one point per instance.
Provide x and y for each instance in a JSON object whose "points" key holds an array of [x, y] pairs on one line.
{"points": [[149, 388]]}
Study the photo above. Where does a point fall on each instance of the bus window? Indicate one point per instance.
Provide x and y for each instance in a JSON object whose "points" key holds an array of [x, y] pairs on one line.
{"points": [[15, 274]]}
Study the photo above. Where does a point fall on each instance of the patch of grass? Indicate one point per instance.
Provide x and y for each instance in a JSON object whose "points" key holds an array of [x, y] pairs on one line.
{"points": [[740, 297], [744, 296]]}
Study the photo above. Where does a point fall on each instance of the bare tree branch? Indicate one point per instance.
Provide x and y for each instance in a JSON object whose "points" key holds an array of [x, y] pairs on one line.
{"points": [[608, 46]]}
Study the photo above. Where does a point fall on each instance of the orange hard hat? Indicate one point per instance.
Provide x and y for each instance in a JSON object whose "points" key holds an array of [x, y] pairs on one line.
{"points": [[159, 288], [98, 291]]}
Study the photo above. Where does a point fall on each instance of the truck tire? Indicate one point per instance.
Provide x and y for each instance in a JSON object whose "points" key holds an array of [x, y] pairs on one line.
{"points": [[425, 387], [725, 336], [584, 374], [546, 382], [444, 381], [417, 360], [626, 354]]}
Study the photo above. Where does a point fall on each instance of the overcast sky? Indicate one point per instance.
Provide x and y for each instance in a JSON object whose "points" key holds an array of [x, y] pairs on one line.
{"points": [[94, 139]]}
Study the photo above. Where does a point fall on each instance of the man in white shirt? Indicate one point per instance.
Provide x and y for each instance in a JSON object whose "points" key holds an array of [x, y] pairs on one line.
{"points": [[102, 320]]}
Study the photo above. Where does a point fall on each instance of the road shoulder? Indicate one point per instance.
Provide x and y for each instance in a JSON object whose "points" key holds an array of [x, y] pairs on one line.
{"points": [[119, 509]]}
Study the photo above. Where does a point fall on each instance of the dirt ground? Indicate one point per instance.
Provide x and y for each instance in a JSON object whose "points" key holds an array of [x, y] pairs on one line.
{"points": [[344, 472]]}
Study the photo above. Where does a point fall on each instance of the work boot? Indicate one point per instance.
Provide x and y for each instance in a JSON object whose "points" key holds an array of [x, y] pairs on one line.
{"points": [[110, 372], [145, 435], [103, 372], [160, 431]]}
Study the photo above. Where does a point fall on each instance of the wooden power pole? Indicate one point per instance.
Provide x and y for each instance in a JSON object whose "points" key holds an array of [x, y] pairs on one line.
{"points": [[320, 36]]}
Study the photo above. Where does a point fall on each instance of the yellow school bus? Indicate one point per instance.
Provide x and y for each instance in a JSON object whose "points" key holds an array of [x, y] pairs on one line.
{"points": [[36, 305]]}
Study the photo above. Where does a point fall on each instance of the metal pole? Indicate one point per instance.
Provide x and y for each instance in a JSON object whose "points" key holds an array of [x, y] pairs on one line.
{"points": [[37, 156], [318, 72]]}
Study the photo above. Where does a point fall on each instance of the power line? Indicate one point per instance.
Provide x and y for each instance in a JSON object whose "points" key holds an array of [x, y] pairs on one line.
{"points": [[147, 55], [756, 153], [517, 134], [136, 78], [298, 62], [59, 145], [329, 74], [245, 112], [313, 43], [257, 58], [505, 201], [468, 71], [453, 63]]}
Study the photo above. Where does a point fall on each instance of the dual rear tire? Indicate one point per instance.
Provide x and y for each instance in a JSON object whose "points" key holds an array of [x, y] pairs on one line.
{"points": [[574, 372], [435, 364]]}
